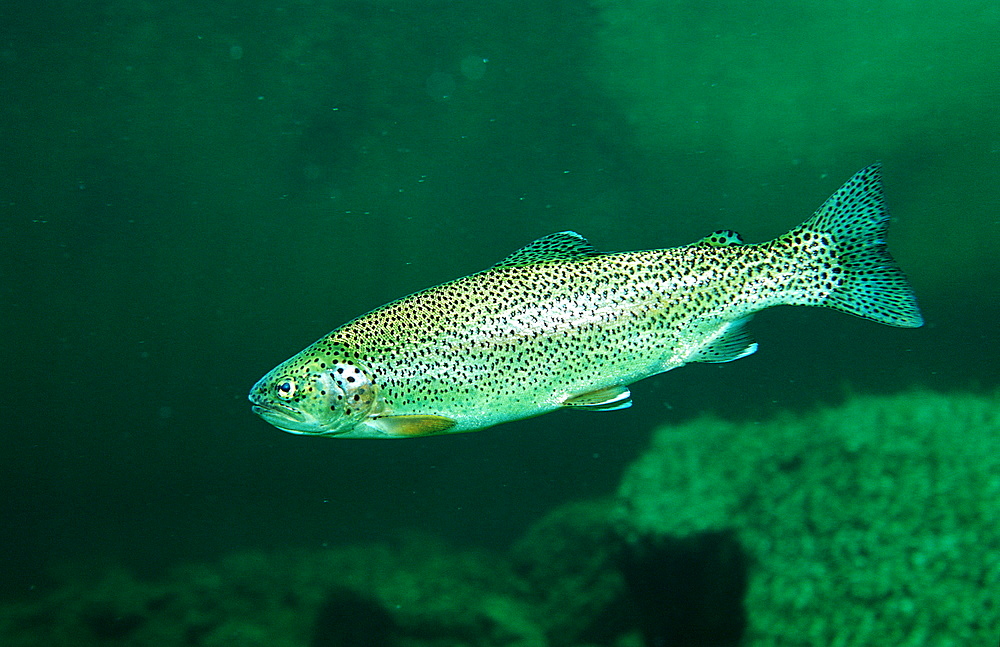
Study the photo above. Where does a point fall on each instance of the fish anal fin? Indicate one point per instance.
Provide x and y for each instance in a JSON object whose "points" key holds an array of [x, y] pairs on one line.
{"points": [[413, 426], [732, 343], [560, 246], [610, 398]]}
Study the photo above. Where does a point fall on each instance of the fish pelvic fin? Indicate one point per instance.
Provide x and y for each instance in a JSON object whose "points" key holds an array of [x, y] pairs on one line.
{"points": [[610, 398], [853, 271]]}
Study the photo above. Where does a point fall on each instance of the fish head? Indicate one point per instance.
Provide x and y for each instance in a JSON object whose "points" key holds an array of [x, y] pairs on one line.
{"points": [[306, 395]]}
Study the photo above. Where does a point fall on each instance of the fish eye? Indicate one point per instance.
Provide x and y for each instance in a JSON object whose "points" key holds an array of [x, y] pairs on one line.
{"points": [[285, 389]]}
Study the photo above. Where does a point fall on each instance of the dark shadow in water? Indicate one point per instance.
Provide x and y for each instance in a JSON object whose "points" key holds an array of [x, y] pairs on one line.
{"points": [[350, 619], [688, 592]]}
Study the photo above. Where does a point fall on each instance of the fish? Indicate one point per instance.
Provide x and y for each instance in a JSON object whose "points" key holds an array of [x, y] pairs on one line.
{"points": [[560, 325]]}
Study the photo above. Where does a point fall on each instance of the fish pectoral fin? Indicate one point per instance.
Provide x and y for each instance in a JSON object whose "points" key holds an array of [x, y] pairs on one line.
{"points": [[412, 426], [732, 343], [609, 398]]}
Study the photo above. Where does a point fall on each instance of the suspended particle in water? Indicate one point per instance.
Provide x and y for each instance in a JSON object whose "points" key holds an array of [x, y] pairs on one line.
{"points": [[473, 67], [440, 86]]}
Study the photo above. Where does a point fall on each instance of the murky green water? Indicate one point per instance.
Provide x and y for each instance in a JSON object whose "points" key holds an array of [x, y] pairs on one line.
{"points": [[192, 192]]}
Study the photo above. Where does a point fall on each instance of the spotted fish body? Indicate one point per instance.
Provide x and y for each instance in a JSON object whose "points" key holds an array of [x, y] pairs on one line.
{"points": [[560, 325]]}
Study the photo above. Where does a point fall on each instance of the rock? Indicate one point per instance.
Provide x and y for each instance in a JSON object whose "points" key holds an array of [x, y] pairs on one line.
{"points": [[873, 523], [570, 561]]}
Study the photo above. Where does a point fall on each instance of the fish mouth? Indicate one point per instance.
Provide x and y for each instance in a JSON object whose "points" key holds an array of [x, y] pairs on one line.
{"points": [[292, 420], [277, 411], [284, 418], [261, 408], [288, 418]]}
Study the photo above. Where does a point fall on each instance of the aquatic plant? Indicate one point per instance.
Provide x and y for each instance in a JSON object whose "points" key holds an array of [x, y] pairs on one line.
{"points": [[872, 523]]}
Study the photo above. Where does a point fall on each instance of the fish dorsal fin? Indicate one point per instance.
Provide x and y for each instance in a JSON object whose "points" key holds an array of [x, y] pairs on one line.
{"points": [[560, 246], [721, 238], [610, 398]]}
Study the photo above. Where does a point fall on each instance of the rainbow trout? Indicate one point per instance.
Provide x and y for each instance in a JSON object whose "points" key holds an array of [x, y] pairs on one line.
{"points": [[559, 325]]}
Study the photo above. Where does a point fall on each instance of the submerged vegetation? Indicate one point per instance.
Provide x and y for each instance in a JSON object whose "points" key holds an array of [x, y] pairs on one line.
{"points": [[876, 522], [194, 190], [871, 523]]}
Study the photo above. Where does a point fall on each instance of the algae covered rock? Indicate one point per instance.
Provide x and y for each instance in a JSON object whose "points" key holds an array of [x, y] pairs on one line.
{"points": [[569, 560], [415, 592], [874, 523]]}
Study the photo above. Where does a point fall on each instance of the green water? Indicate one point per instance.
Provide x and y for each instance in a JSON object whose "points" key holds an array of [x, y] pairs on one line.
{"points": [[192, 192]]}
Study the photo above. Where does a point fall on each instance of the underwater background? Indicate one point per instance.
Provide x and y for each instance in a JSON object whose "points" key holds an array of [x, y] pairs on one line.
{"points": [[194, 191]]}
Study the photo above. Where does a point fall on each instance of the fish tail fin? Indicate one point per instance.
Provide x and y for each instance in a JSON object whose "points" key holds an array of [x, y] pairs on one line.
{"points": [[844, 242]]}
